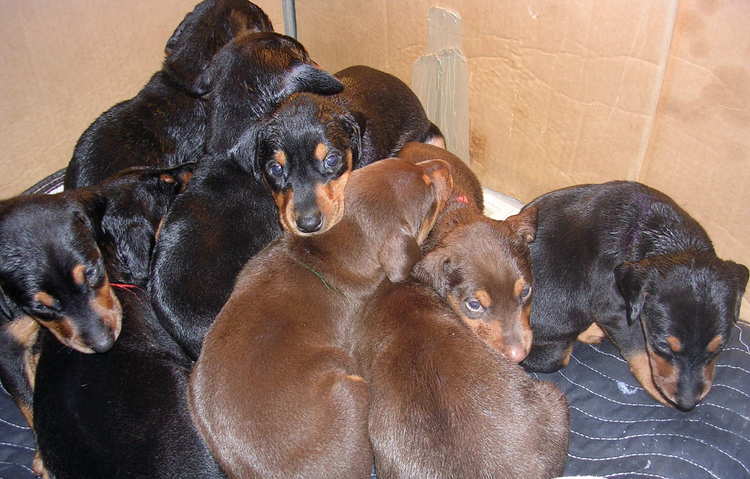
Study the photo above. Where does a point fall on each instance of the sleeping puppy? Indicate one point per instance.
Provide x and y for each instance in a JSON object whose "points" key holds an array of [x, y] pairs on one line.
{"points": [[275, 392], [311, 143], [164, 125], [53, 271], [226, 215], [627, 258], [123, 414], [442, 404], [480, 266]]}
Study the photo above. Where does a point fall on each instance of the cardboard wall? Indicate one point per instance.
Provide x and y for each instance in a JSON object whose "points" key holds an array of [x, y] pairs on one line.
{"points": [[559, 92]]}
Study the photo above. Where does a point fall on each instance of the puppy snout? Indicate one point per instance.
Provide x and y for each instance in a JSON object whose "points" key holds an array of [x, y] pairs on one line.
{"points": [[310, 223], [102, 342], [515, 354]]}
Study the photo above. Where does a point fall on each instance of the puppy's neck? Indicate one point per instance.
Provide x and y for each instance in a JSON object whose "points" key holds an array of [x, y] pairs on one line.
{"points": [[460, 210]]}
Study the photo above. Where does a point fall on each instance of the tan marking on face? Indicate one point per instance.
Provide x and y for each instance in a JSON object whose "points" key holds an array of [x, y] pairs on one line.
{"points": [[715, 343], [30, 362], [23, 330], [641, 369], [489, 332], [320, 152], [330, 200], [518, 287], [709, 371], [37, 465], [665, 375], [285, 203], [593, 335], [107, 307], [566, 356], [167, 178], [484, 298], [355, 378], [674, 343], [45, 298], [427, 179], [79, 274], [280, 157], [27, 412], [66, 332]]}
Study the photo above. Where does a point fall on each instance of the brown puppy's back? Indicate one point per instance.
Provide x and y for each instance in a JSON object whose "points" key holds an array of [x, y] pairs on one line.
{"points": [[444, 405], [275, 391]]}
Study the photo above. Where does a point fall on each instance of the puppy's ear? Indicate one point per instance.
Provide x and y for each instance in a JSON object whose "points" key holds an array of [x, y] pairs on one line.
{"points": [[94, 205], [437, 174], [134, 246], [354, 124], [204, 82], [740, 274], [524, 223], [5, 304], [398, 255], [630, 279], [310, 78], [433, 270]]}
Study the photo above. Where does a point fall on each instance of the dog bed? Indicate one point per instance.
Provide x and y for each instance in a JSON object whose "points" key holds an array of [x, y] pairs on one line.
{"points": [[617, 430]]}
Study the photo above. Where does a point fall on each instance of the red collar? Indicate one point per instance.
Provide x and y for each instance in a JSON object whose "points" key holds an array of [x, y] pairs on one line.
{"points": [[462, 199]]}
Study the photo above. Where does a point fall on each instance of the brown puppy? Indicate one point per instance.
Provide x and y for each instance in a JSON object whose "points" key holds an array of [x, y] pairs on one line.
{"points": [[480, 266], [275, 392], [443, 404]]}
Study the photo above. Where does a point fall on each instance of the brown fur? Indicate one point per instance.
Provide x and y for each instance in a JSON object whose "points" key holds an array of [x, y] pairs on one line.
{"points": [[275, 392], [442, 404], [470, 256]]}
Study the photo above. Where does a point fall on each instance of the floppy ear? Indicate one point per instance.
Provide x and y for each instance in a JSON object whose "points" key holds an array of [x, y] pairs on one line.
{"points": [[740, 273], [437, 174], [524, 223], [352, 122], [630, 279], [310, 78], [134, 250], [398, 255], [204, 82], [433, 270], [5, 304]]}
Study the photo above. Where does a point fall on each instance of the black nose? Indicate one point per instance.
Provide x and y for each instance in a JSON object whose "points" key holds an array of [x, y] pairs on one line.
{"points": [[310, 223], [102, 343], [686, 404]]}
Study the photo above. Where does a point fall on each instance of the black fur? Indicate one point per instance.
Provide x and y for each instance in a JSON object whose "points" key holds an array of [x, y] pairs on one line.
{"points": [[226, 216], [122, 414], [372, 118], [628, 258], [165, 124]]}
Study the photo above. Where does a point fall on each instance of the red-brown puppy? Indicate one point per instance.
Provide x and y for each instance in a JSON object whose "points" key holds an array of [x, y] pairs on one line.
{"points": [[443, 404], [480, 266], [275, 392]]}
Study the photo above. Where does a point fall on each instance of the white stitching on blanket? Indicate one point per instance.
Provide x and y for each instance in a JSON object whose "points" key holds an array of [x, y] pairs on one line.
{"points": [[19, 465], [725, 409], [739, 337], [633, 436], [625, 456], [633, 473], [733, 367], [14, 425], [644, 421], [21, 446], [605, 397], [606, 354], [732, 388], [601, 373]]}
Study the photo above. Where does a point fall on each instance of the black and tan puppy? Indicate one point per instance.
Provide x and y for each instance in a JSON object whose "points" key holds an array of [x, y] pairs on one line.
{"points": [[275, 392], [627, 258], [123, 414], [165, 124], [53, 269], [226, 215], [480, 266], [310, 143], [443, 404]]}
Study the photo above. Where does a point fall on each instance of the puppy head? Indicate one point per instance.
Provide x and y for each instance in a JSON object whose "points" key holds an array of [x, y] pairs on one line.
{"points": [[132, 205], [483, 271], [687, 304], [305, 154], [211, 25], [395, 204], [52, 269], [248, 79]]}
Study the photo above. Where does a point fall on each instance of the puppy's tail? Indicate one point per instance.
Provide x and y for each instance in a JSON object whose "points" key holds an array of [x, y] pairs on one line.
{"points": [[434, 136]]}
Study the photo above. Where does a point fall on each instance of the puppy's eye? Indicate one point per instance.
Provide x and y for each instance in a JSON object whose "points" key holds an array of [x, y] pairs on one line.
{"points": [[274, 169], [332, 162], [474, 305]]}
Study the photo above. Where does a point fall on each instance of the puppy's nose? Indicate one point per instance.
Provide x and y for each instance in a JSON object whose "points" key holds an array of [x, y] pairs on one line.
{"points": [[515, 354], [102, 343], [685, 404], [310, 223]]}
